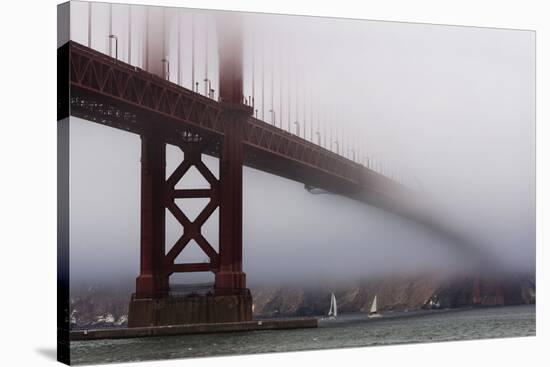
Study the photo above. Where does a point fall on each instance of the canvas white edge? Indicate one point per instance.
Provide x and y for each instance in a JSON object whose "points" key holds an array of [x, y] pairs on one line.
{"points": [[28, 161]]}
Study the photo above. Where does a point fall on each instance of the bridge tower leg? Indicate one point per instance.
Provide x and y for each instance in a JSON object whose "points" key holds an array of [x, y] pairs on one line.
{"points": [[151, 281], [230, 277]]}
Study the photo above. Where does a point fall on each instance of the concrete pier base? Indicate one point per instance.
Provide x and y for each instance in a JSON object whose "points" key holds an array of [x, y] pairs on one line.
{"points": [[200, 309], [174, 330]]}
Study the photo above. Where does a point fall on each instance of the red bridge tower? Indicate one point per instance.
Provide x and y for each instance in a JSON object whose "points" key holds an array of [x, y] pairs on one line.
{"points": [[153, 304]]}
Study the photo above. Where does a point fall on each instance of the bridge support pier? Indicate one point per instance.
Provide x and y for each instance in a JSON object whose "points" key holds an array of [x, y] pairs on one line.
{"points": [[202, 309]]}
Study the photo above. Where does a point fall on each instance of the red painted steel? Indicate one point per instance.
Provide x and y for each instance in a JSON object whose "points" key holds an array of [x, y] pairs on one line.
{"points": [[159, 194], [230, 58], [151, 280], [191, 229], [230, 278], [101, 80], [116, 94], [111, 92]]}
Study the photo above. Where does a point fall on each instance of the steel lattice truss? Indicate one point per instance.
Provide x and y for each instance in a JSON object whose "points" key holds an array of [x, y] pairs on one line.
{"points": [[191, 229], [266, 137], [117, 94], [92, 71]]}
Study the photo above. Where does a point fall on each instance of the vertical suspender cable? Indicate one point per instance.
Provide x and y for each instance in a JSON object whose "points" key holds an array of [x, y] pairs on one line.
{"points": [[179, 50], [90, 25], [147, 38], [311, 121], [263, 80], [325, 129], [272, 89], [192, 53], [297, 104], [289, 79], [288, 91], [206, 58], [253, 48], [164, 40], [110, 28], [305, 115], [331, 138], [129, 34], [281, 87]]}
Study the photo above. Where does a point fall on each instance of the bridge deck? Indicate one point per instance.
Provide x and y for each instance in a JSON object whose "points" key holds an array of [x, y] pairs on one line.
{"points": [[113, 93]]}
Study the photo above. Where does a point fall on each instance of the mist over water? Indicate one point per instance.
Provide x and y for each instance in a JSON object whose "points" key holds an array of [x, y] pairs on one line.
{"points": [[447, 110]]}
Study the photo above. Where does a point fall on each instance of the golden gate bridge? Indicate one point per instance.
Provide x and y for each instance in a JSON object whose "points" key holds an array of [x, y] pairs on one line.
{"points": [[200, 81]]}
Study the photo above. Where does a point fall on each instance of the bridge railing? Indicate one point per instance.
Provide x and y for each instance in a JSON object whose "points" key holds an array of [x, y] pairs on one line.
{"points": [[93, 71], [287, 145]]}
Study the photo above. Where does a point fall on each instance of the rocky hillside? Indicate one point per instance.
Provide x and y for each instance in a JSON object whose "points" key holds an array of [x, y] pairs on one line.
{"points": [[395, 293], [96, 306]]}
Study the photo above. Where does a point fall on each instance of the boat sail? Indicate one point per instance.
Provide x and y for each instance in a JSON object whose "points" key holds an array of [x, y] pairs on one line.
{"points": [[374, 308], [333, 311]]}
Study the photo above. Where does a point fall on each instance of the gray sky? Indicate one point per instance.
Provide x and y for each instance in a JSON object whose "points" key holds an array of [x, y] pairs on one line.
{"points": [[451, 109]]}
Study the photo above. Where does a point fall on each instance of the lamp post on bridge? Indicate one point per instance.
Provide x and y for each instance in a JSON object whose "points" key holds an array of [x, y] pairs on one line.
{"points": [[208, 85], [337, 146], [366, 160], [272, 116], [353, 153], [325, 134], [297, 127], [318, 137], [111, 37], [167, 70]]}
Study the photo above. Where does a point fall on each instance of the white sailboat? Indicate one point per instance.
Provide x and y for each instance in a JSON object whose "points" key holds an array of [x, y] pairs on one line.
{"points": [[374, 308], [333, 311]]}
